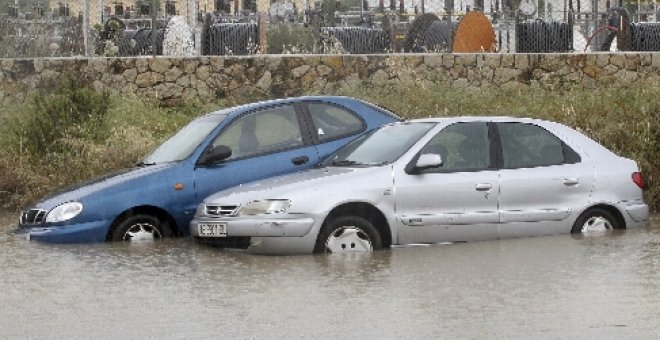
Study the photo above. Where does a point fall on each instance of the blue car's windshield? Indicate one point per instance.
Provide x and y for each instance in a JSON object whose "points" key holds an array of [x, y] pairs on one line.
{"points": [[183, 143], [382, 146]]}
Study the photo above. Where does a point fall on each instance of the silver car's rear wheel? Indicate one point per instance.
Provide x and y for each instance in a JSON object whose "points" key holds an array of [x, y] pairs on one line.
{"points": [[348, 234], [140, 228], [596, 223], [595, 220]]}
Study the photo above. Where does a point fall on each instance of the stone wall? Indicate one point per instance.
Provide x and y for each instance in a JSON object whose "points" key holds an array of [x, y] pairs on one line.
{"points": [[206, 78]]}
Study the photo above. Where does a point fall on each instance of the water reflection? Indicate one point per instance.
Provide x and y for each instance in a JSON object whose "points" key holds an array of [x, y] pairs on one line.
{"points": [[604, 286]]}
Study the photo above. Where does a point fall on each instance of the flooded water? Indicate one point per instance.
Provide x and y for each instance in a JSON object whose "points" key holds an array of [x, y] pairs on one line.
{"points": [[604, 287]]}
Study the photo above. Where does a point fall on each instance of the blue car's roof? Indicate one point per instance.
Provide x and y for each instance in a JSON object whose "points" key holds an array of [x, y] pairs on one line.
{"points": [[334, 99]]}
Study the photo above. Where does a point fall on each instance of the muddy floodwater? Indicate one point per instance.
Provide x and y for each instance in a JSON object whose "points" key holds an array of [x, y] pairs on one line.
{"points": [[605, 286]]}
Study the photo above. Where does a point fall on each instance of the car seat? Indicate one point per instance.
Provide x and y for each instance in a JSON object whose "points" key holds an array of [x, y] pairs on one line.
{"points": [[551, 154], [248, 142], [472, 154]]}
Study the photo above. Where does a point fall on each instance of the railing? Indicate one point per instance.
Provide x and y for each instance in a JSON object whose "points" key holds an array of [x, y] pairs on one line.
{"points": [[226, 27]]}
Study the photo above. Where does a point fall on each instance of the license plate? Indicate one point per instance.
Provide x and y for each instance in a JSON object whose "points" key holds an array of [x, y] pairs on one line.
{"points": [[212, 229]]}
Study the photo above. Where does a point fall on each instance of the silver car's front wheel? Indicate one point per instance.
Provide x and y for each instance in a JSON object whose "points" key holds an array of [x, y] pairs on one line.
{"points": [[348, 239], [595, 220], [348, 234]]}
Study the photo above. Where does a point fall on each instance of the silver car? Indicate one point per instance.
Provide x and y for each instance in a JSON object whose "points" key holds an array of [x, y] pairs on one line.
{"points": [[432, 181]]}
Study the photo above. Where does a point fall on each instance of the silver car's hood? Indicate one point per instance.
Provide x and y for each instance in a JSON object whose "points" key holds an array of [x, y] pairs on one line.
{"points": [[313, 181]]}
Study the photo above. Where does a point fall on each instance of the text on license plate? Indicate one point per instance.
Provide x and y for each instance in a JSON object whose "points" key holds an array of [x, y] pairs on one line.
{"points": [[212, 229]]}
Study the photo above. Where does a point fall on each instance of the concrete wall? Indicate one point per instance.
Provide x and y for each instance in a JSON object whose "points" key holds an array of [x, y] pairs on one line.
{"points": [[206, 78]]}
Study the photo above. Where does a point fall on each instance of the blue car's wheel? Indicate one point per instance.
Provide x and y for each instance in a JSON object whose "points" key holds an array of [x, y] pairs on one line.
{"points": [[140, 228]]}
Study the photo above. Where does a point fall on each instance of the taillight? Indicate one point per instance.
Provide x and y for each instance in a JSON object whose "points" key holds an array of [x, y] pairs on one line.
{"points": [[639, 180]]}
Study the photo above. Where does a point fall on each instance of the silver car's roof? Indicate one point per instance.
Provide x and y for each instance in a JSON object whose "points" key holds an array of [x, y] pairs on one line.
{"points": [[568, 134], [477, 118]]}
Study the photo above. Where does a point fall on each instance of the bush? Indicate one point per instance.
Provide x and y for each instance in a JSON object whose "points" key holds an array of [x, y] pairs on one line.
{"points": [[286, 38], [69, 111], [75, 134]]}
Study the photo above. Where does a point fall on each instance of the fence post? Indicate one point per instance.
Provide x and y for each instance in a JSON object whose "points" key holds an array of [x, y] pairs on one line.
{"points": [[263, 36], [85, 27], [101, 12], [18, 18], [193, 26], [192, 14], [153, 11]]}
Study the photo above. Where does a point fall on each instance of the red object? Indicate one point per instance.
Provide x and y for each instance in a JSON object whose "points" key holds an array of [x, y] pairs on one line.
{"points": [[639, 180]]}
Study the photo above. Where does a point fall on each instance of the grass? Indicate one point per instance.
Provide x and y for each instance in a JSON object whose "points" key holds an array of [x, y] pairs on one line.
{"points": [[117, 132]]}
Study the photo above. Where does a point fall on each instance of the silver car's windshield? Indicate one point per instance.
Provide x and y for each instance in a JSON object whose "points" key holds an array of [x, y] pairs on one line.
{"points": [[382, 146], [183, 143]]}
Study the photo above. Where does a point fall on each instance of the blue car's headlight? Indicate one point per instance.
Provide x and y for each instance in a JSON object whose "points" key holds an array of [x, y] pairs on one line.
{"points": [[64, 212]]}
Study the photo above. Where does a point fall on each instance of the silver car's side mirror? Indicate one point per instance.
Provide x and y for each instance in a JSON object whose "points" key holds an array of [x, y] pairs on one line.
{"points": [[428, 161]]}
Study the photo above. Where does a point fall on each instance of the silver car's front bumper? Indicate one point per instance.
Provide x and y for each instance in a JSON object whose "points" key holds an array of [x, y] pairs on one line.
{"points": [[259, 227], [282, 235]]}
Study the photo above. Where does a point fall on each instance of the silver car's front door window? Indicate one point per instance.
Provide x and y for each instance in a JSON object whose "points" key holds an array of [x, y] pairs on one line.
{"points": [[457, 201]]}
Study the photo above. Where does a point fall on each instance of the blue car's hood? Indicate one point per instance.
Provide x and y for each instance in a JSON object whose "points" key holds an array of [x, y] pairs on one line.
{"points": [[81, 190]]}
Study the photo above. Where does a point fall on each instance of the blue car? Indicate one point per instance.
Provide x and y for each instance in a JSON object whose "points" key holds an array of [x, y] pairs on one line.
{"points": [[158, 197]]}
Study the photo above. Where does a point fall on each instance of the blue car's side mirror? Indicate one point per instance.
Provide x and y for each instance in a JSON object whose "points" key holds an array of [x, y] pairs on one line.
{"points": [[214, 155]]}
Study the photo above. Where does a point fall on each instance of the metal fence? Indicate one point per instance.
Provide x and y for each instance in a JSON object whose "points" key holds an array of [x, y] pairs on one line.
{"points": [[44, 28]]}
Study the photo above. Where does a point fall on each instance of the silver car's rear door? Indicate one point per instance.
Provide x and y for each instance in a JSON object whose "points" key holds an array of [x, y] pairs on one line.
{"points": [[543, 181]]}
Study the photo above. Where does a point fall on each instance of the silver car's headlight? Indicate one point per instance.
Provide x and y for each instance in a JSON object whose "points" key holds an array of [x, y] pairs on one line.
{"points": [[265, 207], [64, 212], [201, 209]]}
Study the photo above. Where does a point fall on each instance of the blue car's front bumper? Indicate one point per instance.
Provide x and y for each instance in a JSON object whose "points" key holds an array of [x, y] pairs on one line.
{"points": [[88, 232]]}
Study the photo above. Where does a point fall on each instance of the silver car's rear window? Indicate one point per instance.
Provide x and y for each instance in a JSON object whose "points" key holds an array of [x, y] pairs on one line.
{"points": [[382, 146]]}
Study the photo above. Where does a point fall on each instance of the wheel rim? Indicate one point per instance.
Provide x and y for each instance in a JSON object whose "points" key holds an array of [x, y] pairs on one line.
{"points": [[596, 223], [142, 232], [348, 239]]}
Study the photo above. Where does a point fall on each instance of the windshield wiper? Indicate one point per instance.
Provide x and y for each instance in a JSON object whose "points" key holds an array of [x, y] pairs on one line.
{"points": [[143, 163], [344, 162]]}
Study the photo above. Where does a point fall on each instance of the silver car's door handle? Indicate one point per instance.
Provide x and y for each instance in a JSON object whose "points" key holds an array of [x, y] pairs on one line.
{"points": [[571, 181], [483, 187]]}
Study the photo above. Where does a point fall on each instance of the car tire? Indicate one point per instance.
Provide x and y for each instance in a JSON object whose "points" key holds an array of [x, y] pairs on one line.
{"points": [[140, 227], [595, 220], [348, 234]]}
